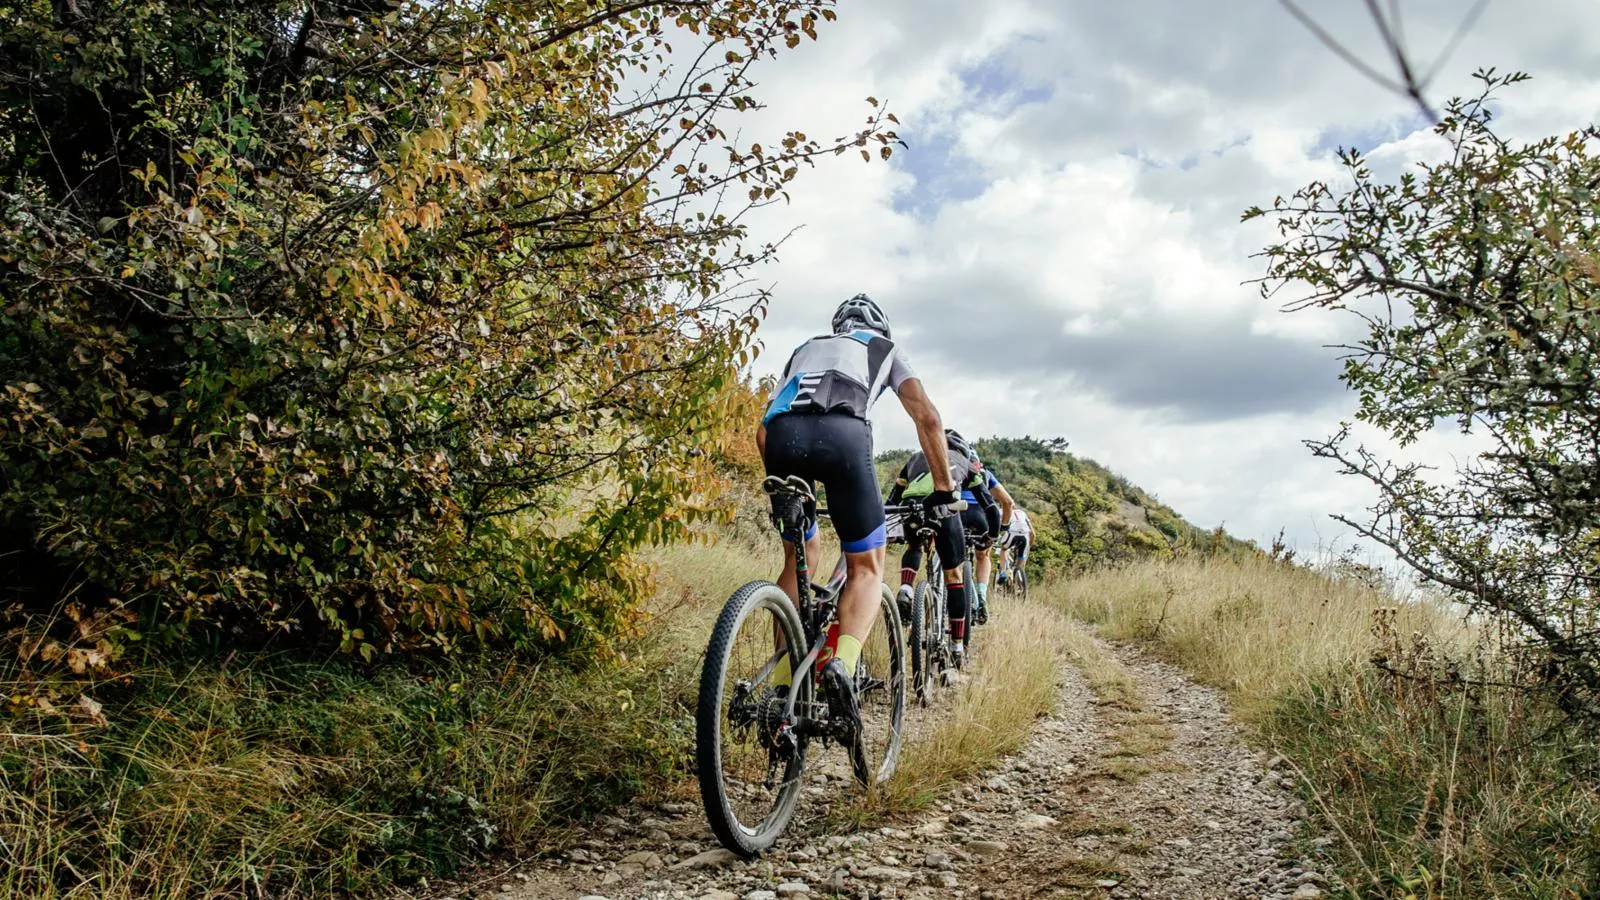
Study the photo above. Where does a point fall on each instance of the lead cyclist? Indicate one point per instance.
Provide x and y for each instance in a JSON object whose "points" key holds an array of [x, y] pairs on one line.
{"points": [[817, 428]]}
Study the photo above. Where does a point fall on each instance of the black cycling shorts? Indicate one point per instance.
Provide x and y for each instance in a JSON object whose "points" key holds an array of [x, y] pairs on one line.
{"points": [[975, 520], [835, 449], [1019, 546], [948, 541]]}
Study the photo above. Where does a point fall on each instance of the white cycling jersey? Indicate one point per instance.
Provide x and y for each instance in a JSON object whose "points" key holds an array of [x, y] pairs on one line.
{"points": [[1020, 526]]}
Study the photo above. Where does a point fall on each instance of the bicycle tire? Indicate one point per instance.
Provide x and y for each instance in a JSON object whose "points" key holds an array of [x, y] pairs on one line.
{"points": [[875, 764], [916, 638], [715, 792]]}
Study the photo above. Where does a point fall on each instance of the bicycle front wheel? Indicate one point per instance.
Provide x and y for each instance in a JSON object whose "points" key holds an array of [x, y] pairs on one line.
{"points": [[916, 638], [927, 627], [750, 773], [881, 694]]}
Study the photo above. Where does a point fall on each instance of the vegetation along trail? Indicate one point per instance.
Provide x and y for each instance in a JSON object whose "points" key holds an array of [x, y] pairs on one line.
{"points": [[1136, 784]]}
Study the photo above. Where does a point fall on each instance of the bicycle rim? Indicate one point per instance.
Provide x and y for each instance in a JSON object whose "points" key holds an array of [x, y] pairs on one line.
{"points": [[749, 793], [881, 693]]}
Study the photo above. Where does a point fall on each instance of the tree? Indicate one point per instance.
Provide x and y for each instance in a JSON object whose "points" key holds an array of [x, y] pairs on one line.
{"points": [[1475, 279], [391, 324]]}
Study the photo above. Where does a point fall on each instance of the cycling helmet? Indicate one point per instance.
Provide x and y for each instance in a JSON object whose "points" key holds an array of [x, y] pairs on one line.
{"points": [[860, 309], [959, 443]]}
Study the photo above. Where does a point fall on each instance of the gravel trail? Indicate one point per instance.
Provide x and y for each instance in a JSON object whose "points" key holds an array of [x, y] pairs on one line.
{"points": [[1148, 793]]}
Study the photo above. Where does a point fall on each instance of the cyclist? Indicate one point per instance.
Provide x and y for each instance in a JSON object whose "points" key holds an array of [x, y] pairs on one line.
{"points": [[816, 427], [1019, 537], [996, 521], [914, 481]]}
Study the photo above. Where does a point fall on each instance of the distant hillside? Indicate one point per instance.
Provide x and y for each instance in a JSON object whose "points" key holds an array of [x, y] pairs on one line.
{"points": [[1085, 514]]}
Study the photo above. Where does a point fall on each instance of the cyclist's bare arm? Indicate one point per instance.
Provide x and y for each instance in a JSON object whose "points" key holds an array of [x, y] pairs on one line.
{"points": [[930, 431], [1006, 505], [761, 440]]}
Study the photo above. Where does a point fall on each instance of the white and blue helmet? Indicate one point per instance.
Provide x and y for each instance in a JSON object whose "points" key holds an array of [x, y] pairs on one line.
{"points": [[860, 312]]}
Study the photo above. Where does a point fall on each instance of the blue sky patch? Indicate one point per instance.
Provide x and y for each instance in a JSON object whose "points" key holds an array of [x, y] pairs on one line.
{"points": [[1366, 138], [944, 174]]}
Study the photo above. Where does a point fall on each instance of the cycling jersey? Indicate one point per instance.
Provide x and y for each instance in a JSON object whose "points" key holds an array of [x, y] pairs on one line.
{"points": [[840, 373], [989, 483], [916, 476], [1020, 526], [915, 481]]}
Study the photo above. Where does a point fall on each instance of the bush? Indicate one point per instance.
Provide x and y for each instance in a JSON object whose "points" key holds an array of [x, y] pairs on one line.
{"points": [[376, 325], [1477, 283]]}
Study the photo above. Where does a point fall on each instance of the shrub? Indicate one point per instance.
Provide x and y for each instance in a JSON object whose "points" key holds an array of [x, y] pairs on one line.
{"points": [[382, 325]]}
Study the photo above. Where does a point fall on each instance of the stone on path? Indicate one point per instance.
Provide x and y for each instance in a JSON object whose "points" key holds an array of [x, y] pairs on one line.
{"points": [[988, 848], [720, 858]]}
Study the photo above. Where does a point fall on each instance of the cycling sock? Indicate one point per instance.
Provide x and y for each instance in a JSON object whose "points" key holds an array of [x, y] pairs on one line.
{"points": [[849, 652], [983, 593], [955, 598], [958, 629], [783, 675], [908, 577]]}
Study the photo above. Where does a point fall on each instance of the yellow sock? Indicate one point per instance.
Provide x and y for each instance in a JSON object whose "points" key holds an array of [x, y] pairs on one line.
{"points": [[783, 675], [849, 652]]}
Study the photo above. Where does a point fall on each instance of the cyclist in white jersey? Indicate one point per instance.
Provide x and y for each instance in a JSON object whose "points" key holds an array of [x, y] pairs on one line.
{"points": [[1019, 538]]}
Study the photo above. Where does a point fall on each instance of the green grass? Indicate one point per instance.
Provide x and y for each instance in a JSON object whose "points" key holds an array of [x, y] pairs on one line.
{"points": [[305, 778]]}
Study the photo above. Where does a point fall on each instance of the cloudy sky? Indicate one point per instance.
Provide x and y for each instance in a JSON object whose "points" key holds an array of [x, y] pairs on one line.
{"points": [[1059, 248]]}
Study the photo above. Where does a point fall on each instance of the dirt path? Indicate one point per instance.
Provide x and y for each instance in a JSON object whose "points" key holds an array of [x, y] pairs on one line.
{"points": [[1137, 786]]}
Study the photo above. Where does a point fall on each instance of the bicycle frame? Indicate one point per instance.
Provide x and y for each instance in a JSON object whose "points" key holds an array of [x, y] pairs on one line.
{"points": [[816, 604]]}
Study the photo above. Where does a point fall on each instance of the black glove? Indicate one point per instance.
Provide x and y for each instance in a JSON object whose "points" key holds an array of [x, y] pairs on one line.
{"points": [[940, 504]]}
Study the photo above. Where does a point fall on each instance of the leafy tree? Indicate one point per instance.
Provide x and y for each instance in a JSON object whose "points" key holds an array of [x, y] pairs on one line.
{"points": [[390, 324], [1475, 279]]}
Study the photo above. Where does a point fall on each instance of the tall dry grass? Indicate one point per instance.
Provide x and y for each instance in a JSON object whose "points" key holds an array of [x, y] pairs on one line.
{"points": [[1437, 779], [1254, 627], [1013, 680]]}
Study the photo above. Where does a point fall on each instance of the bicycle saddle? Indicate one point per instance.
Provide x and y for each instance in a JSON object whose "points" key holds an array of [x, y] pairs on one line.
{"points": [[793, 486]]}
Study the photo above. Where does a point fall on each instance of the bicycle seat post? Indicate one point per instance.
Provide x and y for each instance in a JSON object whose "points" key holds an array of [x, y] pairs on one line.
{"points": [[792, 502]]}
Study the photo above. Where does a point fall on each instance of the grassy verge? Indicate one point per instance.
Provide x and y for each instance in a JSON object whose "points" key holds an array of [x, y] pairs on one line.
{"points": [[288, 777], [296, 778], [1013, 685], [1437, 786]]}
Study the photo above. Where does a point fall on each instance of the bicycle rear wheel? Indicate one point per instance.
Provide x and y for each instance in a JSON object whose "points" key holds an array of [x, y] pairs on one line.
{"points": [[880, 680], [750, 777]]}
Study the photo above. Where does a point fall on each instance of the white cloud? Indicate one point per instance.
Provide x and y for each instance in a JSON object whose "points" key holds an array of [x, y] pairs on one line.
{"points": [[1083, 166]]}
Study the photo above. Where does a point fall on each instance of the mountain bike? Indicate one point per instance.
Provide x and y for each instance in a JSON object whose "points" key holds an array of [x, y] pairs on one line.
{"points": [[927, 636], [977, 542], [752, 736], [1016, 583]]}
